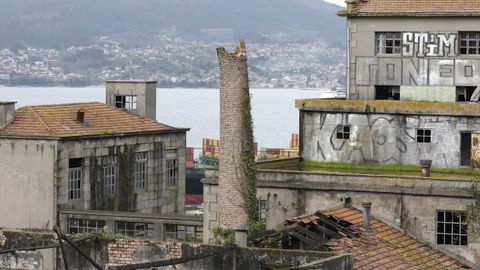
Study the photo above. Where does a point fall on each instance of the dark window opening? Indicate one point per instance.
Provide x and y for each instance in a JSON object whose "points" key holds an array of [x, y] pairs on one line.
{"points": [[469, 43], [388, 42], [126, 102], [464, 93], [387, 92], [424, 136], [74, 178], [184, 233], [343, 132], [74, 162], [465, 148], [452, 228]]}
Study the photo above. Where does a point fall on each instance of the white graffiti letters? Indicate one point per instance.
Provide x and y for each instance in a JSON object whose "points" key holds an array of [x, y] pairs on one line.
{"points": [[429, 44]]}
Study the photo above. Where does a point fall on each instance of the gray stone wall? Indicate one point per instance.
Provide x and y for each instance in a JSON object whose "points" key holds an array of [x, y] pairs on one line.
{"points": [[406, 202], [158, 197], [234, 96], [384, 138], [427, 57]]}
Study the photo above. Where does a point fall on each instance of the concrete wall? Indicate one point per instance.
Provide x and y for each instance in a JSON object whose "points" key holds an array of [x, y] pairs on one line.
{"points": [[7, 113], [408, 203], [158, 197], [27, 185], [384, 138], [442, 68], [145, 91]]}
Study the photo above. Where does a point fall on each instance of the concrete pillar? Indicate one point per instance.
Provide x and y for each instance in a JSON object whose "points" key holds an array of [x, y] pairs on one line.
{"points": [[366, 215], [234, 99]]}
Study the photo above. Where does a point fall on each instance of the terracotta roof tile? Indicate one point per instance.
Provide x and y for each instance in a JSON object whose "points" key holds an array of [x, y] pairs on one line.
{"points": [[385, 247], [61, 121], [412, 7]]}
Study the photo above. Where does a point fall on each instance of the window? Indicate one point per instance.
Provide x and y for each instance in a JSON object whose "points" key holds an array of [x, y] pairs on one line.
{"points": [[469, 43], [424, 136], [262, 208], [186, 233], [126, 102], [388, 42], [452, 228], [76, 225], [74, 178], [109, 168], [172, 172], [464, 93], [140, 170], [343, 132], [135, 229], [387, 92]]}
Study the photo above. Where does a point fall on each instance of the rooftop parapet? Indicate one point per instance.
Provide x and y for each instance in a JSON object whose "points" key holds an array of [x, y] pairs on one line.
{"points": [[389, 107]]}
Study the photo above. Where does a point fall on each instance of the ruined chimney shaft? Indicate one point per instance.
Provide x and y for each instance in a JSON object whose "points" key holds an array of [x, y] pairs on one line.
{"points": [[7, 113], [81, 116], [367, 206], [234, 96]]}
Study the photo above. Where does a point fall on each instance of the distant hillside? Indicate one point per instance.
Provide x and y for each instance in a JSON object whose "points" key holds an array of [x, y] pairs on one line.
{"points": [[52, 23]]}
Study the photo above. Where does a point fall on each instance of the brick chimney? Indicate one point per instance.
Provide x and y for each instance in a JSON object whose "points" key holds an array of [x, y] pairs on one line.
{"points": [[7, 113], [234, 99], [351, 4]]}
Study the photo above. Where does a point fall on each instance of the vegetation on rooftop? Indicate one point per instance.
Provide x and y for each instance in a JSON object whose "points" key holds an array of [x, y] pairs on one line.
{"points": [[376, 168], [103, 234], [473, 209]]}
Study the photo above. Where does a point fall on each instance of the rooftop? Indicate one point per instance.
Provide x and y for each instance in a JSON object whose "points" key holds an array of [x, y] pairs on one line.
{"points": [[383, 248], [61, 121], [415, 8], [390, 107]]}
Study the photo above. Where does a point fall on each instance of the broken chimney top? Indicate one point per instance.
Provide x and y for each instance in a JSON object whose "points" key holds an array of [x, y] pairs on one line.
{"points": [[81, 115], [7, 113], [367, 206]]}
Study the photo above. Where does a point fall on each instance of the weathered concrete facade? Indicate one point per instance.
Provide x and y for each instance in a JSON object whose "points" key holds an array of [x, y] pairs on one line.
{"points": [[383, 136], [156, 197], [406, 202], [429, 55], [138, 97]]}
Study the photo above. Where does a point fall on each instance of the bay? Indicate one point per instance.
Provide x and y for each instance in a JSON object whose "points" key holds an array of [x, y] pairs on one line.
{"points": [[273, 110]]}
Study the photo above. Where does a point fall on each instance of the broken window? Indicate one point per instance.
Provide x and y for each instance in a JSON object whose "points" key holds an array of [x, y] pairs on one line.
{"points": [[452, 228], [424, 135], [126, 102], [343, 132], [109, 174], [172, 172], [470, 43], [186, 233], [74, 178], [134, 229], [388, 42], [384, 92], [262, 208], [140, 171], [464, 93], [76, 225]]}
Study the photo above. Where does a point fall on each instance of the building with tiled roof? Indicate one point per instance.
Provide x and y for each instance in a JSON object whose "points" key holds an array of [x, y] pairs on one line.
{"points": [[98, 161], [376, 246]]}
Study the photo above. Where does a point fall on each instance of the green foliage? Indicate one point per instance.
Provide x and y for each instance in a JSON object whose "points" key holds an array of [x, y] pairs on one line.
{"points": [[98, 235], [256, 226], [223, 236], [347, 12], [473, 209], [275, 241]]}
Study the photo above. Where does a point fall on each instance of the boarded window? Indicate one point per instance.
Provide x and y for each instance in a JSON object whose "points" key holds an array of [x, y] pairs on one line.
{"points": [[140, 170]]}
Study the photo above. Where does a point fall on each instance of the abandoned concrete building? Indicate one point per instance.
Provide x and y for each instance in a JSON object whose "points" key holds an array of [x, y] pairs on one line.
{"points": [[85, 166], [413, 67]]}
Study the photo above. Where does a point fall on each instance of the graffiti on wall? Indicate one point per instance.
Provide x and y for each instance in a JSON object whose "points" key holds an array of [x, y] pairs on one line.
{"points": [[429, 44], [417, 71]]}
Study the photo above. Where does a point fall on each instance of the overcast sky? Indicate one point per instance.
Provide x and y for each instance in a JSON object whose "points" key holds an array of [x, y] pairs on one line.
{"points": [[338, 2]]}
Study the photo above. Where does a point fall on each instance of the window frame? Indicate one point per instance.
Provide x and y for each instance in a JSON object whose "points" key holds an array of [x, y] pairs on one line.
{"points": [[467, 39], [128, 102], [80, 227], [172, 171], [445, 229], [422, 136], [109, 164], [141, 167], [381, 40], [141, 230], [183, 233], [342, 132]]}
